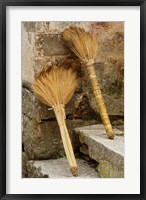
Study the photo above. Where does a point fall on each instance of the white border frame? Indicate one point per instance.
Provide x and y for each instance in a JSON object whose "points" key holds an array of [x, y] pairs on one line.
{"points": [[131, 183]]}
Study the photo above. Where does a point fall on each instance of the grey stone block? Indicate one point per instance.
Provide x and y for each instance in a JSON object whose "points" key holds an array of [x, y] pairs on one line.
{"points": [[101, 148], [59, 168], [84, 150]]}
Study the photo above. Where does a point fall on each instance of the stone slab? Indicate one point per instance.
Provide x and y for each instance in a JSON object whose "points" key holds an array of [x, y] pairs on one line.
{"points": [[59, 168], [100, 147]]}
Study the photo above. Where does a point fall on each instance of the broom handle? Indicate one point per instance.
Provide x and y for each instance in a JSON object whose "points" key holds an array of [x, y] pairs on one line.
{"points": [[100, 101], [59, 112]]}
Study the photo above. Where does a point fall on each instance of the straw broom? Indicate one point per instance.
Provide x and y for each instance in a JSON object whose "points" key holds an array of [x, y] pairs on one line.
{"points": [[55, 87], [85, 46]]}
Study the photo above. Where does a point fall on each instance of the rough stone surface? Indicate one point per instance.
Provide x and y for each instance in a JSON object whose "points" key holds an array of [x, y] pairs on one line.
{"points": [[84, 149], [35, 171], [33, 108], [59, 168], [101, 148], [27, 55], [24, 162], [106, 170], [36, 26], [41, 136], [54, 41], [42, 141]]}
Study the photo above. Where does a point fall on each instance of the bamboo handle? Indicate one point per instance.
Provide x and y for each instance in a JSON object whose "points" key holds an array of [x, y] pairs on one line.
{"points": [[59, 112], [100, 101]]}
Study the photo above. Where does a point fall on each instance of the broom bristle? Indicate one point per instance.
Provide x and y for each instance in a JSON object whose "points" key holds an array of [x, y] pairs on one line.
{"points": [[55, 85], [82, 43]]}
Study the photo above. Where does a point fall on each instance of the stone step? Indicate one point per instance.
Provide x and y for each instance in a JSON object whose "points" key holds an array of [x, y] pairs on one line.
{"points": [[108, 153], [59, 168]]}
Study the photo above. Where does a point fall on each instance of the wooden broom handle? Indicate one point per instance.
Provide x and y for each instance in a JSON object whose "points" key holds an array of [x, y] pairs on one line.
{"points": [[99, 100], [60, 115]]}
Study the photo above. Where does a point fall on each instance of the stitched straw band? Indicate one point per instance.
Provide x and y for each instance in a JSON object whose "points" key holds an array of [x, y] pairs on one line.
{"points": [[99, 100]]}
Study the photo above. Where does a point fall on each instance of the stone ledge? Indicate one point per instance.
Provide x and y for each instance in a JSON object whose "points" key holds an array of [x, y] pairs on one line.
{"points": [[58, 168], [101, 148]]}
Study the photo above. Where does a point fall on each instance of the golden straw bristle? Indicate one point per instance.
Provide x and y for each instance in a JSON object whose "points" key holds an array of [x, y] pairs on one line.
{"points": [[55, 85], [82, 43]]}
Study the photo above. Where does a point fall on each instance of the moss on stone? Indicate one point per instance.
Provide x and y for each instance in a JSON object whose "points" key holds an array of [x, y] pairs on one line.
{"points": [[115, 88], [106, 170]]}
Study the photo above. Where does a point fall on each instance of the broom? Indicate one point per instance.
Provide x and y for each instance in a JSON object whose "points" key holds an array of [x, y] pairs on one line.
{"points": [[55, 87], [85, 46]]}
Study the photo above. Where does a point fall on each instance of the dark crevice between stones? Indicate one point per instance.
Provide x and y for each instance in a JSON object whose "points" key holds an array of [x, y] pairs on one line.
{"points": [[26, 85], [117, 122], [23, 147], [116, 117], [69, 116], [92, 163], [48, 119]]}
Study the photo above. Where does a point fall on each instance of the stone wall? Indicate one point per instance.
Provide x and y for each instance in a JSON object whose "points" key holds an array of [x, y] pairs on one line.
{"points": [[42, 45]]}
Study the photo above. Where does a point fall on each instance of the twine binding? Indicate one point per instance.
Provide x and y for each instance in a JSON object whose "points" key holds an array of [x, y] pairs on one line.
{"points": [[100, 101], [74, 170]]}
